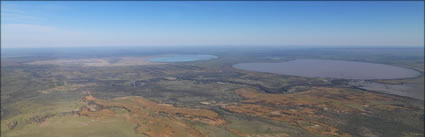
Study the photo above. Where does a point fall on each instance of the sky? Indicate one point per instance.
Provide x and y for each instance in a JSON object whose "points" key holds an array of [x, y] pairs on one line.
{"points": [[41, 24]]}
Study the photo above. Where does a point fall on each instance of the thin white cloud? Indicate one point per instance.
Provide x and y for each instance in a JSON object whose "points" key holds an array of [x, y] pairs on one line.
{"points": [[23, 29], [14, 13]]}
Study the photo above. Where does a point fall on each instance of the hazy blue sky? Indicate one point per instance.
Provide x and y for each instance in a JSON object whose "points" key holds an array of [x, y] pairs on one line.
{"points": [[65, 24]]}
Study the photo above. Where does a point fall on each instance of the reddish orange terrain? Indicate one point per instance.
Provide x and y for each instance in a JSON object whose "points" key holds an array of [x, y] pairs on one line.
{"points": [[309, 109], [152, 119]]}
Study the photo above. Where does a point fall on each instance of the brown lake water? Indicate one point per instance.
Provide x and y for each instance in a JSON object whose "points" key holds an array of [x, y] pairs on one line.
{"points": [[331, 69]]}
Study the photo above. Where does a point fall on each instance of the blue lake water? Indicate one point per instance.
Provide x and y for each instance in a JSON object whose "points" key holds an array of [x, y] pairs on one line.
{"points": [[331, 69], [181, 58]]}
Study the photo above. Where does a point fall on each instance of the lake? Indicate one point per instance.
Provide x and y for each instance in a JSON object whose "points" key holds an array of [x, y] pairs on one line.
{"points": [[407, 90], [331, 69], [181, 58]]}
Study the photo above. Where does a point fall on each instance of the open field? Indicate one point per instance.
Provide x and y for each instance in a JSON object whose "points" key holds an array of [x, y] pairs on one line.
{"points": [[120, 96], [152, 119], [322, 110]]}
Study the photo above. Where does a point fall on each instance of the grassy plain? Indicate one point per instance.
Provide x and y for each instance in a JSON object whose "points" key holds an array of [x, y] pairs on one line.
{"points": [[120, 96]]}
